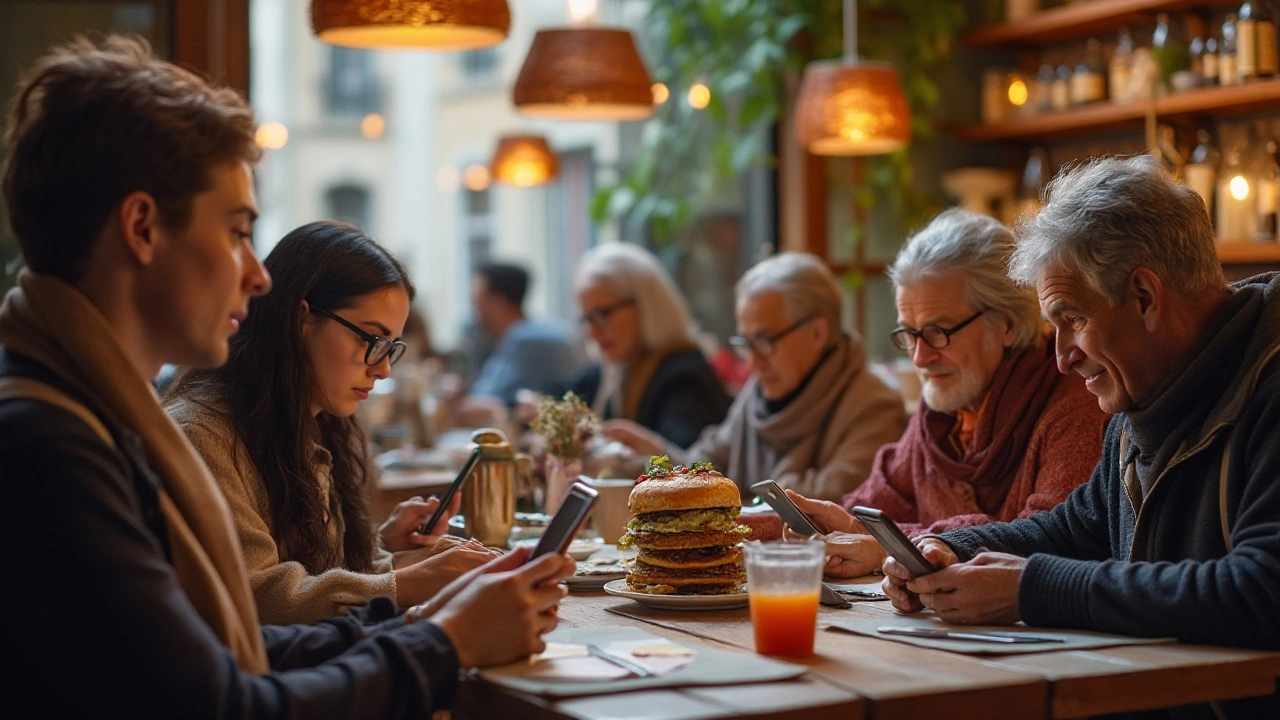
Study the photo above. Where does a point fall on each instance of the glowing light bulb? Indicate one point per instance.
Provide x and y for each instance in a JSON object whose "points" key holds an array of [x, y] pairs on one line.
{"points": [[1018, 93], [660, 93], [1239, 187], [272, 136], [699, 96], [583, 11], [476, 177], [372, 126]]}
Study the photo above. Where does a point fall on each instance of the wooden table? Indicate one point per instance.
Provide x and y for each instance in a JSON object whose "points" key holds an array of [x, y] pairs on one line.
{"points": [[852, 676]]}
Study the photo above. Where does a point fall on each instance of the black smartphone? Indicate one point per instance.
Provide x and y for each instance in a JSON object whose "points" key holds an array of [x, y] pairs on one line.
{"points": [[793, 516], [569, 518], [894, 541], [454, 487]]}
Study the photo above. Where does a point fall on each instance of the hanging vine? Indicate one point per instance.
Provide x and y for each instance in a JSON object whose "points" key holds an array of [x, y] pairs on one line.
{"points": [[743, 50]]}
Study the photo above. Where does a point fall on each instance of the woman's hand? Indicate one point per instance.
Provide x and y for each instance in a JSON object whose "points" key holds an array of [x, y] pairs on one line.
{"points": [[400, 531], [421, 581], [640, 439], [498, 613], [405, 558]]}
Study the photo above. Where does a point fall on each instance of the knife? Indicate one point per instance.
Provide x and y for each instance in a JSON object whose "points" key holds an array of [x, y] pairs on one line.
{"points": [[976, 635], [634, 668]]}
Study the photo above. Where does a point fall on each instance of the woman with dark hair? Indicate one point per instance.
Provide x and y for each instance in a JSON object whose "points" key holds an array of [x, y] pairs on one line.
{"points": [[275, 426]]}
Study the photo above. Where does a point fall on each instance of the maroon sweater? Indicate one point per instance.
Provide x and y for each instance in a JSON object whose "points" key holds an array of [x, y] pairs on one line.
{"points": [[1039, 436]]}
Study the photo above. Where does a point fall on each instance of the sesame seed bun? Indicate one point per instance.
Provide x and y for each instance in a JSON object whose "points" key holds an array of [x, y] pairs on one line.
{"points": [[684, 491]]}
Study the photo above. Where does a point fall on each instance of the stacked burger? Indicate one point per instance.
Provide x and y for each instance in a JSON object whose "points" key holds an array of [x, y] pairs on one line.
{"points": [[686, 527]]}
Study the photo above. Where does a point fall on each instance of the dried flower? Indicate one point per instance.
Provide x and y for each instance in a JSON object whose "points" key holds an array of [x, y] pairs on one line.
{"points": [[566, 425]]}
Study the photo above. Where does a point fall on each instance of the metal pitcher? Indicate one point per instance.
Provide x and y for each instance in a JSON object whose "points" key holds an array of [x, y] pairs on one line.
{"points": [[489, 498]]}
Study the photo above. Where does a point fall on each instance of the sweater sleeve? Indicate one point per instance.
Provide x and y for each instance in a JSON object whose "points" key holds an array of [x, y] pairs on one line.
{"points": [[284, 591], [687, 406], [111, 632], [1227, 600]]}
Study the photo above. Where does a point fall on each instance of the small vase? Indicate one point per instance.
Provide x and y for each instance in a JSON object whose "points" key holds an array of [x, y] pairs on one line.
{"points": [[561, 473]]}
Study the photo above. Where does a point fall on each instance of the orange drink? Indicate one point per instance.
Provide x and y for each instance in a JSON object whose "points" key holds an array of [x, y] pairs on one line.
{"points": [[782, 587], [784, 624]]}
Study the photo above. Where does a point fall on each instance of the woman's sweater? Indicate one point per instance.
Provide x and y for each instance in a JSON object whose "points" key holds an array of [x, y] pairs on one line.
{"points": [[283, 589]]}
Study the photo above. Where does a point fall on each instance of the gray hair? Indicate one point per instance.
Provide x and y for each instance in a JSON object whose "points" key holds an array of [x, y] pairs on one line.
{"points": [[1110, 215], [977, 248], [630, 271], [805, 283]]}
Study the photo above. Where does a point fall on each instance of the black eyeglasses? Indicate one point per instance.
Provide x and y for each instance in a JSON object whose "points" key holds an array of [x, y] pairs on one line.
{"points": [[765, 345], [598, 317], [933, 336], [379, 347]]}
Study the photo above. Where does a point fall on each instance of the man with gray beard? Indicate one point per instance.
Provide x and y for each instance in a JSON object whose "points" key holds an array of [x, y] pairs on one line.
{"points": [[999, 433]]}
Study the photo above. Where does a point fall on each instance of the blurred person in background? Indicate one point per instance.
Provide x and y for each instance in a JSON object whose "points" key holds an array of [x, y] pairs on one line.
{"points": [[1000, 433], [527, 354], [275, 426], [128, 183], [812, 416], [652, 372]]}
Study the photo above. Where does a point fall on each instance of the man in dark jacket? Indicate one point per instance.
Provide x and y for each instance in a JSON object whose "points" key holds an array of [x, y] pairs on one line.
{"points": [[129, 187], [1178, 531]]}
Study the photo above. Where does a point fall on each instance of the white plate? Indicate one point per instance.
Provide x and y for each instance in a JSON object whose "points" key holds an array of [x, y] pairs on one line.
{"points": [[593, 582], [578, 549], [677, 602]]}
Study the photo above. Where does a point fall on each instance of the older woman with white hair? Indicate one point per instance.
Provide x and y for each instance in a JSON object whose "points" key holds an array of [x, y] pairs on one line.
{"points": [[1000, 433], [651, 371], [812, 416]]}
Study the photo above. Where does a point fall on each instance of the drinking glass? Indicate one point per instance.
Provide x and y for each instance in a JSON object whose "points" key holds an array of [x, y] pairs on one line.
{"points": [[783, 579]]}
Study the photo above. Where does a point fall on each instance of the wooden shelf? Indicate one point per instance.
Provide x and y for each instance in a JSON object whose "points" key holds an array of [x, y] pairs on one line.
{"points": [[1079, 20], [1236, 99], [1249, 253]]}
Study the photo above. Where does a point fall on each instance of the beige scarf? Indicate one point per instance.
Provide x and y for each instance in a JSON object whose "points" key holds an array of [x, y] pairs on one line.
{"points": [[51, 323]]}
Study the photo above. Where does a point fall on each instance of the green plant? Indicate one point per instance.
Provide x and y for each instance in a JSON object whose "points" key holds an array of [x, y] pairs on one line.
{"points": [[744, 50]]}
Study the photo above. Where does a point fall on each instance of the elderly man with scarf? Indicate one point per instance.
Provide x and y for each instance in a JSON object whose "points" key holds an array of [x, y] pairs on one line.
{"points": [[1000, 434], [812, 416], [128, 184], [1177, 533]]}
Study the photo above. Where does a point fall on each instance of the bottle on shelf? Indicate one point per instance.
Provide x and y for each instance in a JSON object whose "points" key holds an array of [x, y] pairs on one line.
{"points": [[1060, 91], [1035, 177], [1228, 73], [1247, 42], [1268, 185], [1164, 145], [1201, 171], [1196, 51], [1234, 209], [1120, 68], [1088, 83], [1209, 62], [1044, 93], [1169, 48], [1265, 31]]}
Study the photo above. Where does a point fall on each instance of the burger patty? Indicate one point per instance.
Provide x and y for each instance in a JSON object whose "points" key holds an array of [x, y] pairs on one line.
{"points": [[683, 540], [648, 572], [691, 558]]}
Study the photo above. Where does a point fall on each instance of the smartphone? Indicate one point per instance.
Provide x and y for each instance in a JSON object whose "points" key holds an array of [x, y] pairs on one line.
{"points": [[793, 516], [894, 541], [454, 487], [573, 511]]}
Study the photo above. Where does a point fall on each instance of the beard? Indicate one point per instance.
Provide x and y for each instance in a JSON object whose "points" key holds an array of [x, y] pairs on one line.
{"points": [[966, 389]]}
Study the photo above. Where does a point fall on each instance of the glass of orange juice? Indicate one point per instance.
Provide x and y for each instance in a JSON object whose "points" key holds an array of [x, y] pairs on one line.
{"points": [[782, 586]]}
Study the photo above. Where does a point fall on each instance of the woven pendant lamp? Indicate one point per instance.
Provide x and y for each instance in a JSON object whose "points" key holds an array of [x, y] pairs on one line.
{"points": [[524, 161], [850, 106], [408, 24], [584, 73]]}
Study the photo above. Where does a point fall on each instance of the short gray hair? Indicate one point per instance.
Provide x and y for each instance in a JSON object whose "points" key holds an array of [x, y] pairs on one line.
{"points": [[1110, 215], [631, 272], [805, 283], [977, 248]]}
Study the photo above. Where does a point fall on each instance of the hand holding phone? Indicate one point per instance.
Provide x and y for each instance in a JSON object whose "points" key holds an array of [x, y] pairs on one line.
{"points": [[794, 517], [454, 487], [569, 518], [894, 541]]}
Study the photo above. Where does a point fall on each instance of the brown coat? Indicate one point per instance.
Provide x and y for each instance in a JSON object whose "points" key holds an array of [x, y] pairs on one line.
{"points": [[821, 444]]}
